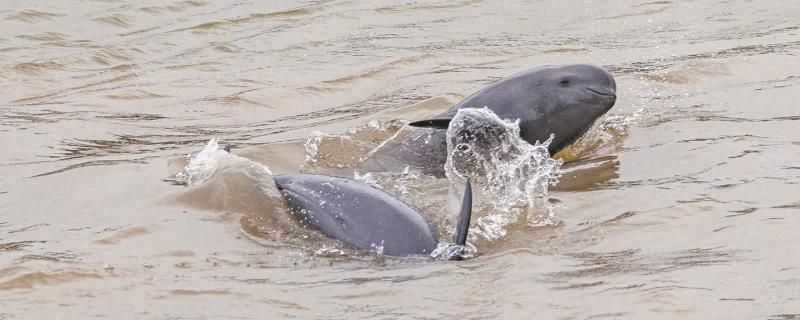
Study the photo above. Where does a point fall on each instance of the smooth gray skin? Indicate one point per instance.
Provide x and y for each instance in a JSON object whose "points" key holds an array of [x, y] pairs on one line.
{"points": [[561, 100], [358, 214]]}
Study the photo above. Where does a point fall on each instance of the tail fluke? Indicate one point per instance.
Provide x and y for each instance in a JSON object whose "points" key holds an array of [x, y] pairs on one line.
{"points": [[432, 123], [460, 237]]}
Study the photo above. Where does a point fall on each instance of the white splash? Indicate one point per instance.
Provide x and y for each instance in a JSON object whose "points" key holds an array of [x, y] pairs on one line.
{"points": [[312, 146], [377, 248], [201, 166], [329, 251], [511, 175], [204, 164], [449, 251], [399, 182]]}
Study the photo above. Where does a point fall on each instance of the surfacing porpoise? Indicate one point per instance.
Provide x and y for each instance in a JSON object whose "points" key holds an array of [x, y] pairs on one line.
{"points": [[563, 101]]}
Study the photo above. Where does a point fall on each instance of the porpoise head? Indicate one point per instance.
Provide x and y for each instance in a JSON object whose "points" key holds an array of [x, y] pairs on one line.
{"points": [[571, 98], [561, 100]]}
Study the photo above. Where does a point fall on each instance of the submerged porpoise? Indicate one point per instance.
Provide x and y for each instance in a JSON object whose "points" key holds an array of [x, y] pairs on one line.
{"points": [[563, 101]]}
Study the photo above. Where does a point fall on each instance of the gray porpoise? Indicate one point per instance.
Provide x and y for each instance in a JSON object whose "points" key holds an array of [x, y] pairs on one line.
{"points": [[358, 214], [560, 100]]}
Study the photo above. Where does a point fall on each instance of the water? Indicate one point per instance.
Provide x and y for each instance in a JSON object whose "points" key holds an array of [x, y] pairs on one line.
{"points": [[680, 203]]}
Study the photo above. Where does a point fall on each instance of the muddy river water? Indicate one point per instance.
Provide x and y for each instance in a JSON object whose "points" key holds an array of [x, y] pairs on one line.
{"points": [[681, 203]]}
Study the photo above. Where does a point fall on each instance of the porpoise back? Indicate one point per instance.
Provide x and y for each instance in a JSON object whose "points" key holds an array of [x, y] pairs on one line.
{"points": [[358, 214]]}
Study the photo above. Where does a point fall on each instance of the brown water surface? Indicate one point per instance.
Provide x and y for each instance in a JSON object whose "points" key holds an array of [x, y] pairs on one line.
{"points": [[681, 203]]}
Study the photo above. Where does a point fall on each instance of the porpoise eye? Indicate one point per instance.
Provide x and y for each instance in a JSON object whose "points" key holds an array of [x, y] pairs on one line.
{"points": [[564, 83]]}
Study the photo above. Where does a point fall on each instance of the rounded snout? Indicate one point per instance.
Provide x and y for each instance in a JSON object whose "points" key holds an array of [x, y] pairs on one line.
{"points": [[283, 181], [599, 81], [602, 92]]}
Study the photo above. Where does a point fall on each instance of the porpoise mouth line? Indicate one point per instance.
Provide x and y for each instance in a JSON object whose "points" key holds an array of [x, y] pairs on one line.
{"points": [[602, 93]]}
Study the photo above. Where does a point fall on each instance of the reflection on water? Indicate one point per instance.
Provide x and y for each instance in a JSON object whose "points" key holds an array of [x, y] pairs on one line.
{"points": [[680, 203]]}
